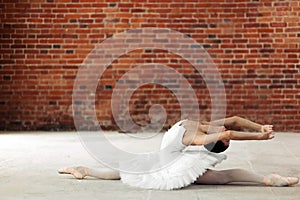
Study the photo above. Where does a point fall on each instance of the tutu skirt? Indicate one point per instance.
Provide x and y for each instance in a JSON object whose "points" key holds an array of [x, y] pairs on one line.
{"points": [[186, 165]]}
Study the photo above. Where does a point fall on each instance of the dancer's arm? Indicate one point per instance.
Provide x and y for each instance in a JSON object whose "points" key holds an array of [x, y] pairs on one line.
{"points": [[204, 139], [236, 135], [237, 123]]}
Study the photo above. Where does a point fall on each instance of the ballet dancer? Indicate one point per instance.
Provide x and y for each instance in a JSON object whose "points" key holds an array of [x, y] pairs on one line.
{"points": [[210, 138]]}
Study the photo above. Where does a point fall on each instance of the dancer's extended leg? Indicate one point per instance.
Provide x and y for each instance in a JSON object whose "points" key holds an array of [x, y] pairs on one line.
{"points": [[101, 173], [228, 176], [239, 175]]}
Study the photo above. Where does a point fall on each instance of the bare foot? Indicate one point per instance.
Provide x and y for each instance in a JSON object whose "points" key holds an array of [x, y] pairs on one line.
{"points": [[267, 128], [77, 172], [279, 181]]}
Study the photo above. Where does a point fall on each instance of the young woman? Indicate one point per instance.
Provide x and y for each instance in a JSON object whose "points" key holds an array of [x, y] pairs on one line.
{"points": [[194, 165]]}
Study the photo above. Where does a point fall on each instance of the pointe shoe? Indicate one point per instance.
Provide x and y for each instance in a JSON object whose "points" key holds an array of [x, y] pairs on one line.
{"points": [[65, 170], [78, 172], [279, 181]]}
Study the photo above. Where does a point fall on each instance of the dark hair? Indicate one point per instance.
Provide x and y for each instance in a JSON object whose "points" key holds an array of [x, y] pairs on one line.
{"points": [[217, 147]]}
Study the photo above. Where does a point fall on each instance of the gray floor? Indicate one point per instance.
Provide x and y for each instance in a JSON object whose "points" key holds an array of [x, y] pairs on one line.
{"points": [[29, 160]]}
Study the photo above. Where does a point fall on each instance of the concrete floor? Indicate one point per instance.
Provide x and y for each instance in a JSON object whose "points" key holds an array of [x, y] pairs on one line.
{"points": [[29, 163]]}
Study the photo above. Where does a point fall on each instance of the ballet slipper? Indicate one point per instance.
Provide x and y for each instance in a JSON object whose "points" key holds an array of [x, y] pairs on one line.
{"points": [[66, 170], [279, 181], [78, 172]]}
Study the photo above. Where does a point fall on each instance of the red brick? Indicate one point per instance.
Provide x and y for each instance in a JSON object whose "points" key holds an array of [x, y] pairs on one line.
{"points": [[46, 31]]}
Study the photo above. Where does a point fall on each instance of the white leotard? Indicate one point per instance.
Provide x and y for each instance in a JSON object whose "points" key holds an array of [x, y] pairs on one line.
{"points": [[181, 165]]}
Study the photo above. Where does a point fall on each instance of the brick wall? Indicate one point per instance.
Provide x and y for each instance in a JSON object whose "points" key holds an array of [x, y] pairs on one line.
{"points": [[254, 43]]}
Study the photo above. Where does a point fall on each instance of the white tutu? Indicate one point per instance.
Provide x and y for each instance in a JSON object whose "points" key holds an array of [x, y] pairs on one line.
{"points": [[181, 165]]}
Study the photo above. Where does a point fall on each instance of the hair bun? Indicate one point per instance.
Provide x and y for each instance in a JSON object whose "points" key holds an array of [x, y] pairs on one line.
{"points": [[217, 147]]}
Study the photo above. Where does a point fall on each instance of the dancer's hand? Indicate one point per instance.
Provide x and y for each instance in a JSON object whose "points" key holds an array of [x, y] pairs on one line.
{"points": [[267, 136], [266, 128], [267, 132]]}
